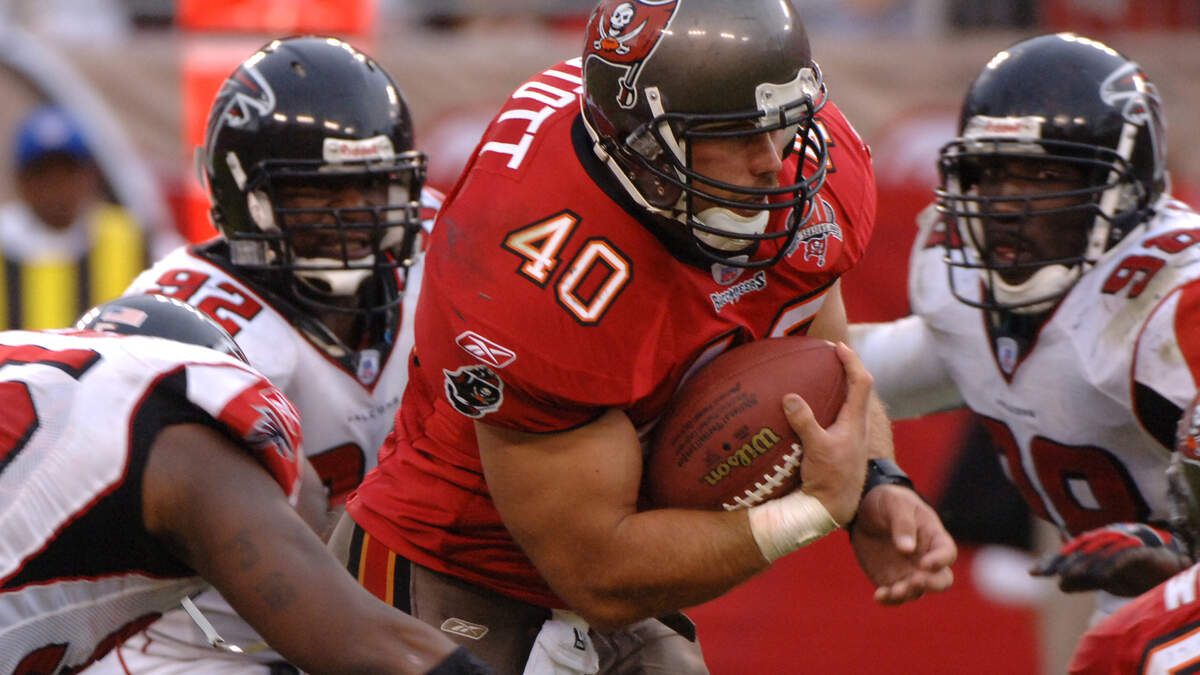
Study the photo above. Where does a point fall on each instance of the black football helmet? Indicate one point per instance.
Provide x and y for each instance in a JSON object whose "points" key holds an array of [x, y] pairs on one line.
{"points": [[1053, 100], [160, 316], [314, 112], [659, 75]]}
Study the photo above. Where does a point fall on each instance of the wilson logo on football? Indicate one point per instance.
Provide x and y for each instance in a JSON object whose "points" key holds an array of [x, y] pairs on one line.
{"points": [[485, 350], [474, 390]]}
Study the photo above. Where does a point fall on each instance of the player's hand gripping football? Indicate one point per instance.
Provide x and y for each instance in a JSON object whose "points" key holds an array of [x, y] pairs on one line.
{"points": [[833, 467], [1124, 559]]}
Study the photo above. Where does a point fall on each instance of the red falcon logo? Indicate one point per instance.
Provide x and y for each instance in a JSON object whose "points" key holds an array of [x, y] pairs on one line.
{"points": [[624, 33]]}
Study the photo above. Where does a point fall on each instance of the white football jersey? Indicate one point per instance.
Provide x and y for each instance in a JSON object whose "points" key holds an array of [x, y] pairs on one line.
{"points": [[1081, 418], [346, 404], [81, 411]]}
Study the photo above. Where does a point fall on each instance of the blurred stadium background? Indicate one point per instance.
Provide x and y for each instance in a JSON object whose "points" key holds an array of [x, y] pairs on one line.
{"points": [[140, 75]]}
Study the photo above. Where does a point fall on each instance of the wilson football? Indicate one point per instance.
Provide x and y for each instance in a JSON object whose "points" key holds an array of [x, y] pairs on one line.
{"points": [[724, 441]]}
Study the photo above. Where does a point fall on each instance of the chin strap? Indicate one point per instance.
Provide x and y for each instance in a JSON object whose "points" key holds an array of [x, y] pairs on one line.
{"points": [[338, 282], [1039, 292], [724, 219], [214, 638]]}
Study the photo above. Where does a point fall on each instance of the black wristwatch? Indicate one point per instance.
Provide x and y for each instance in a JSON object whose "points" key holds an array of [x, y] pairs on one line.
{"points": [[885, 472], [882, 472]]}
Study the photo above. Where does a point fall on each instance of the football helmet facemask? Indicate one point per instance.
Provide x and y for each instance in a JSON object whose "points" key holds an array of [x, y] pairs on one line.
{"points": [[1052, 101], [661, 75], [315, 117]]}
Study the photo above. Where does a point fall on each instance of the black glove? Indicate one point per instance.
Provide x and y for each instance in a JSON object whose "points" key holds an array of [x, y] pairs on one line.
{"points": [[1124, 559]]}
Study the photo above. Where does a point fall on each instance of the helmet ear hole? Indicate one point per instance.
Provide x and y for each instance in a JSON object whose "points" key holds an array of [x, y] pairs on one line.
{"points": [[659, 193]]}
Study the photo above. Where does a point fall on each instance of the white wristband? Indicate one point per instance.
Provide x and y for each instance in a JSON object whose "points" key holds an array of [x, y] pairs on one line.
{"points": [[783, 525]]}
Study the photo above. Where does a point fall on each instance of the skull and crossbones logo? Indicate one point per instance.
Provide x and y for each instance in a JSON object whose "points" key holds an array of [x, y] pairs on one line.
{"points": [[614, 38]]}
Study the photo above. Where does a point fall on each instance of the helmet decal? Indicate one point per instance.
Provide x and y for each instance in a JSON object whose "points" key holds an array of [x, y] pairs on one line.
{"points": [[1128, 89], [246, 96], [624, 34]]}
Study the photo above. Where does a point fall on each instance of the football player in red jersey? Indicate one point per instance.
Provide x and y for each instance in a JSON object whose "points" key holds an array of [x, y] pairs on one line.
{"points": [[1158, 632], [1055, 287], [684, 187], [134, 469], [316, 190]]}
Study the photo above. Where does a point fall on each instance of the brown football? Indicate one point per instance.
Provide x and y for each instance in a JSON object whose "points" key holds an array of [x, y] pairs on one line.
{"points": [[724, 441]]}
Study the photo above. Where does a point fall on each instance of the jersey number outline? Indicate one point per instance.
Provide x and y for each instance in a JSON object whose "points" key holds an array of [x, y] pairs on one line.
{"points": [[20, 419], [186, 282], [1064, 472], [593, 279]]}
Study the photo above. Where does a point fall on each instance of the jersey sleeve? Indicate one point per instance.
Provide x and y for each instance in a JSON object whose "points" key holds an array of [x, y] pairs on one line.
{"points": [[850, 180], [482, 370], [1167, 362], [1156, 632], [244, 405]]}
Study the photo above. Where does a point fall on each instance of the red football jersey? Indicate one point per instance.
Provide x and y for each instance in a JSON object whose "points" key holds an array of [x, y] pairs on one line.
{"points": [[1154, 634], [547, 301]]}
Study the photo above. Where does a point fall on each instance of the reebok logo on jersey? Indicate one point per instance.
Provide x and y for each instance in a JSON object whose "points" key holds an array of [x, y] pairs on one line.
{"points": [[466, 629], [474, 390], [734, 293], [485, 350]]}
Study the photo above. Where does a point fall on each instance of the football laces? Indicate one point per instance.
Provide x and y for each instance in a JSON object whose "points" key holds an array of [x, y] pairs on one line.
{"points": [[771, 482]]}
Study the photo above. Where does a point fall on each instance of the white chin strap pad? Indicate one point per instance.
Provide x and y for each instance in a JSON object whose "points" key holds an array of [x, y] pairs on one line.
{"points": [[1048, 282], [338, 282], [724, 219]]}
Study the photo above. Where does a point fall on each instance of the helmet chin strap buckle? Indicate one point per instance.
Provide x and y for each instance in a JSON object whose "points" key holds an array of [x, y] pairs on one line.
{"points": [[719, 218]]}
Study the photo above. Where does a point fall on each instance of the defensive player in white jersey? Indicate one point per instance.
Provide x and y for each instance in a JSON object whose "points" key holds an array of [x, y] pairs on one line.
{"points": [[135, 468], [1054, 288], [317, 192]]}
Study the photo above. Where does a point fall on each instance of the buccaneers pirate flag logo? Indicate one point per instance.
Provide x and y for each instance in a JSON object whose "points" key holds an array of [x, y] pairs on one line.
{"points": [[623, 33]]}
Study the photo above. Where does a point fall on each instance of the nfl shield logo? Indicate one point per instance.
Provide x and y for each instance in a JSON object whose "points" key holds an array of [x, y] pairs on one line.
{"points": [[725, 274], [368, 365], [1006, 354]]}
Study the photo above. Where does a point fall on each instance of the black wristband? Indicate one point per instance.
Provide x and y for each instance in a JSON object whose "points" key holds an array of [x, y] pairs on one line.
{"points": [[885, 472], [461, 662], [881, 472]]}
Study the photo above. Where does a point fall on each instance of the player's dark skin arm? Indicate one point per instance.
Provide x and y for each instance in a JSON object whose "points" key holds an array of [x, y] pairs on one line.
{"points": [[230, 521]]}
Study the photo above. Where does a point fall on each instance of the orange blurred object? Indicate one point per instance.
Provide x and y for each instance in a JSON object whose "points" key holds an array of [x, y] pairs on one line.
{"points": [[277, 16]]}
